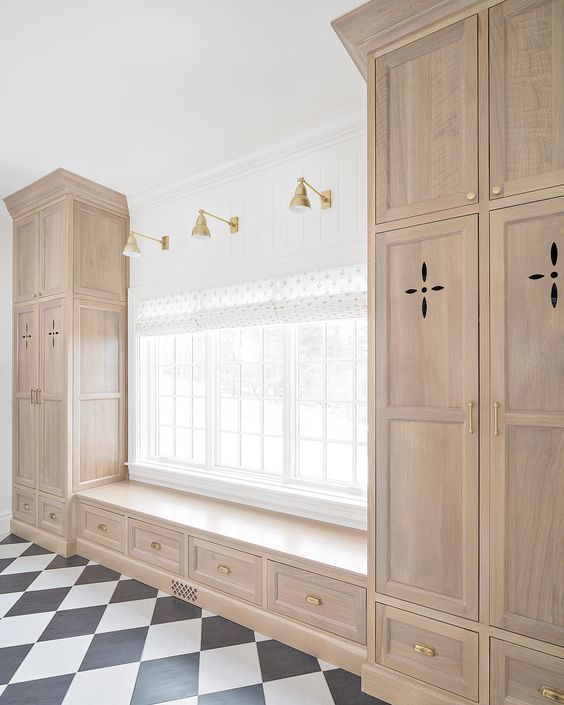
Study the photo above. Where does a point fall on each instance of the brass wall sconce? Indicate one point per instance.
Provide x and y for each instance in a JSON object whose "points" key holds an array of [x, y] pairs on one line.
{"points": [[300, 203], [201, 228], [131, 248]]}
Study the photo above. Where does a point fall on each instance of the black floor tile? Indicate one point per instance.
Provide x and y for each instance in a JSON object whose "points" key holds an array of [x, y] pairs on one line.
{"points": [[5, 562], [12, 538], [72, 562], [218, 632], [46, 691], [38, 601], [345, 689], [251, 695], [35, 550], [280, 661], [115, 648], [11, 659], [97, 574], [77, 622], [167, 679], [132, 590], [16, 582], [170, 609]]}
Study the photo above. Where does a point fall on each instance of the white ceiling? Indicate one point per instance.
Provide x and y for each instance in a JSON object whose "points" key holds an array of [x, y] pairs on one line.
{"points": [[133, 92]]}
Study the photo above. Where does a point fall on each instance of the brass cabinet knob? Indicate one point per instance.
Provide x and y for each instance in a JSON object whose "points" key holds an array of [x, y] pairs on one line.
{"points": [[471, 196], [102, 527], [424, 650], [314, 600], [157, 546], [225, 569], [52, 515], [496, 190], [26, 506], [556, 695]]}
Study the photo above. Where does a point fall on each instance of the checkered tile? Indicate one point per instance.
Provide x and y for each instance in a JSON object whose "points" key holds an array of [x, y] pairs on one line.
{"points": [[76, 633]]}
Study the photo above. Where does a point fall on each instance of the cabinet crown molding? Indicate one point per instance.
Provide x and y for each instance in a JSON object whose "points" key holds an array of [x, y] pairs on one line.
{"points": [[60, 183]]}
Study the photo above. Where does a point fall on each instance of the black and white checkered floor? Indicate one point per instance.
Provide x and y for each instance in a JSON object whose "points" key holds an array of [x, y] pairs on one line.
{"points": [[76, 633]]}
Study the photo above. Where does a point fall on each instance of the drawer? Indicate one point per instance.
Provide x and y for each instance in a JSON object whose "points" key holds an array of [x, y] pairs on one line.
{"points": [[235, 572], [51, 515], [434, 652], [25, 506], [103, 527], [326, 603], [161, 547], [521, 676]]}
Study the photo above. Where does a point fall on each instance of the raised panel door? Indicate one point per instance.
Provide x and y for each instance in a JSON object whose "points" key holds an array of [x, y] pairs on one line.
{"points": [[526, 96], [25, 395], [426, 124], [26, 258], [527, 442], [53, 260], [426, 407]]}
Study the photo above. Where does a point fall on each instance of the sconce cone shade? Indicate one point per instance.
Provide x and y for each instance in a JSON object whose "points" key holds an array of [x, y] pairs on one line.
{"points": [[201, 228], [131, 248], [300, 203]]}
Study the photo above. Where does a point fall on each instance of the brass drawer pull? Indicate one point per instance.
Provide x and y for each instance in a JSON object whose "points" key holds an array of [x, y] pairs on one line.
{"points": [[496, 406], [52, 515], [157, 546], [471, 406], [496, 190], [425, 650], [471, 196], [102, 527], [314, 600], [552, 694], [225, 569], [26, 506]]}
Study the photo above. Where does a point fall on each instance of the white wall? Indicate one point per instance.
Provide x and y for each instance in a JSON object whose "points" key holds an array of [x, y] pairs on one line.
{"points": [[5, 369]]}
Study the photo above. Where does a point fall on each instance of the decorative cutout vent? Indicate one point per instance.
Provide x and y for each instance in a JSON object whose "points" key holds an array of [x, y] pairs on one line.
{"points": [[184, 591]]}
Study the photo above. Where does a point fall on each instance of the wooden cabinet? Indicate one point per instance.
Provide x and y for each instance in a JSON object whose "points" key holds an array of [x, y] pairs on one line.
{"points": [[26, 258], [426, 124], [527, 96], [26, 378], [427, 465], [527, 315]]}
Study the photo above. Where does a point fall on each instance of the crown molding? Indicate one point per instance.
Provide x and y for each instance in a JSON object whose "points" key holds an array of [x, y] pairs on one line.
{"points": [[327, 131]]}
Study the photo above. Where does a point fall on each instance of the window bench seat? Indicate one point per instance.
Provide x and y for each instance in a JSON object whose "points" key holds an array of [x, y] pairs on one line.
{"points": [[300, 581]]}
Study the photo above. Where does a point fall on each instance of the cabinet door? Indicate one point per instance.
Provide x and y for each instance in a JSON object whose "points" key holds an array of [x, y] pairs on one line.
{"points": [[53, 250], [426, 124], [26, 258], [527, 368], [25, 409], [53, 353], [527, 96], [427, 440]]}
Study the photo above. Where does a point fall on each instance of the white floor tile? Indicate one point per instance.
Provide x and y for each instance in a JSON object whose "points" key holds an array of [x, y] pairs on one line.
{"points": [[11, 550], [127, 615], [58, 577], [27, 564], [183, 701], [229, 667], [172, 639], [88, 595], [8, 599], [23, 630], [205, 613], [326, 666], [110, 686], [53, 658], [261, 637], [310, 689]]}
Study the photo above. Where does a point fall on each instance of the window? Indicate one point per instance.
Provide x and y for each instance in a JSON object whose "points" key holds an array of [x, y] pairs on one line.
{"points": [[281, 405]]}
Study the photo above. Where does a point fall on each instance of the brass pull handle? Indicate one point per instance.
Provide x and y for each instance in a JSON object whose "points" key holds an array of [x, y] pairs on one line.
{"points": [[52, 515], [314, 600], [37, 399], [26, 506], [157, 546], [471, 196], [552, 694], [471, 406], [496, 406], [31, 396], [496, 190], [102, 527], [225, 569], [424, 650]]}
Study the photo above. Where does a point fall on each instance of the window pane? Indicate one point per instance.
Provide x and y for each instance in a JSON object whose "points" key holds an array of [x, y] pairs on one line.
{"points": [[165, 380], [361, 338], [198, 380], [311, 420], [199, 349], [166, 349], [183, 349], [183, 380], [250, 415], [199, 446], [229, 449], [361, 381], [199, 413], [310, 341], [273, 417], [311, 460], [339, 462], [183, 449], [311, 380], [165, 410], [229, 345], [250, 452], [251, 344], [273, 344], [339, 381], [340, 422], [361, 423], [229, 411], [340, 340], [251, 380], [229, 380], [183, 409], [361, 465], [273, 381], [273, 455], [166, 446]]}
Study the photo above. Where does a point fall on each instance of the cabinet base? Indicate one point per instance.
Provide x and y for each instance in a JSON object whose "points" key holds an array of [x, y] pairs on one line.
{"points": [[57, 544]]}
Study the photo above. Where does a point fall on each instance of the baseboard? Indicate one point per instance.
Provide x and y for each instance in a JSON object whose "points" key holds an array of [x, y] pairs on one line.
{"points": [[340, 652], [5, 518], [57, 544]]}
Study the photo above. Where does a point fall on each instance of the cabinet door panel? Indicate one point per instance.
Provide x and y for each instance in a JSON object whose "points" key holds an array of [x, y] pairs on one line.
{"points": [[527, 315], [26, 345], [53, 249], [527, 95], [26, 258], [427, 461], [25, 348], [25, 442], [426, 124]]}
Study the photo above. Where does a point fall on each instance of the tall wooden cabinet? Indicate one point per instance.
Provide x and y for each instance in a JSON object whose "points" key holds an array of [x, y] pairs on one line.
{"points": [[466, 255], [69, 293]]}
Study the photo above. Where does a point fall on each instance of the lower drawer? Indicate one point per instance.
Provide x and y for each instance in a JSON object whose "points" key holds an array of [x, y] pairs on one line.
{"points": [[521, 676], [103, 527], [434, 652], [227, 569], [51, 515], [323, 602], [161, 547], [25, 506]]}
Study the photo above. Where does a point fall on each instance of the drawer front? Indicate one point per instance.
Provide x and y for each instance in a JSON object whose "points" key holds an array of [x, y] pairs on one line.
{"points": [[25, 506], [235, 572], [161, 547], [103, 527], [434, 652], [51, 515], [326, 603], [521, 676]]}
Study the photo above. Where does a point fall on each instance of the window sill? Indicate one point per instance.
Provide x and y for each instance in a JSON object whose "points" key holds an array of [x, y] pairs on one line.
{"points": [[329, 508]]}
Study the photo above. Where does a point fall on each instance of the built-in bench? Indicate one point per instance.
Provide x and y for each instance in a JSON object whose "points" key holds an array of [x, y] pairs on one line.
{"points": [[300, 581]]}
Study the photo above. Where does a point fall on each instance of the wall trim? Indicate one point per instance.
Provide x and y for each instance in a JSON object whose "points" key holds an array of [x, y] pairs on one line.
{"points": [[329, 130], [5, 518]]}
